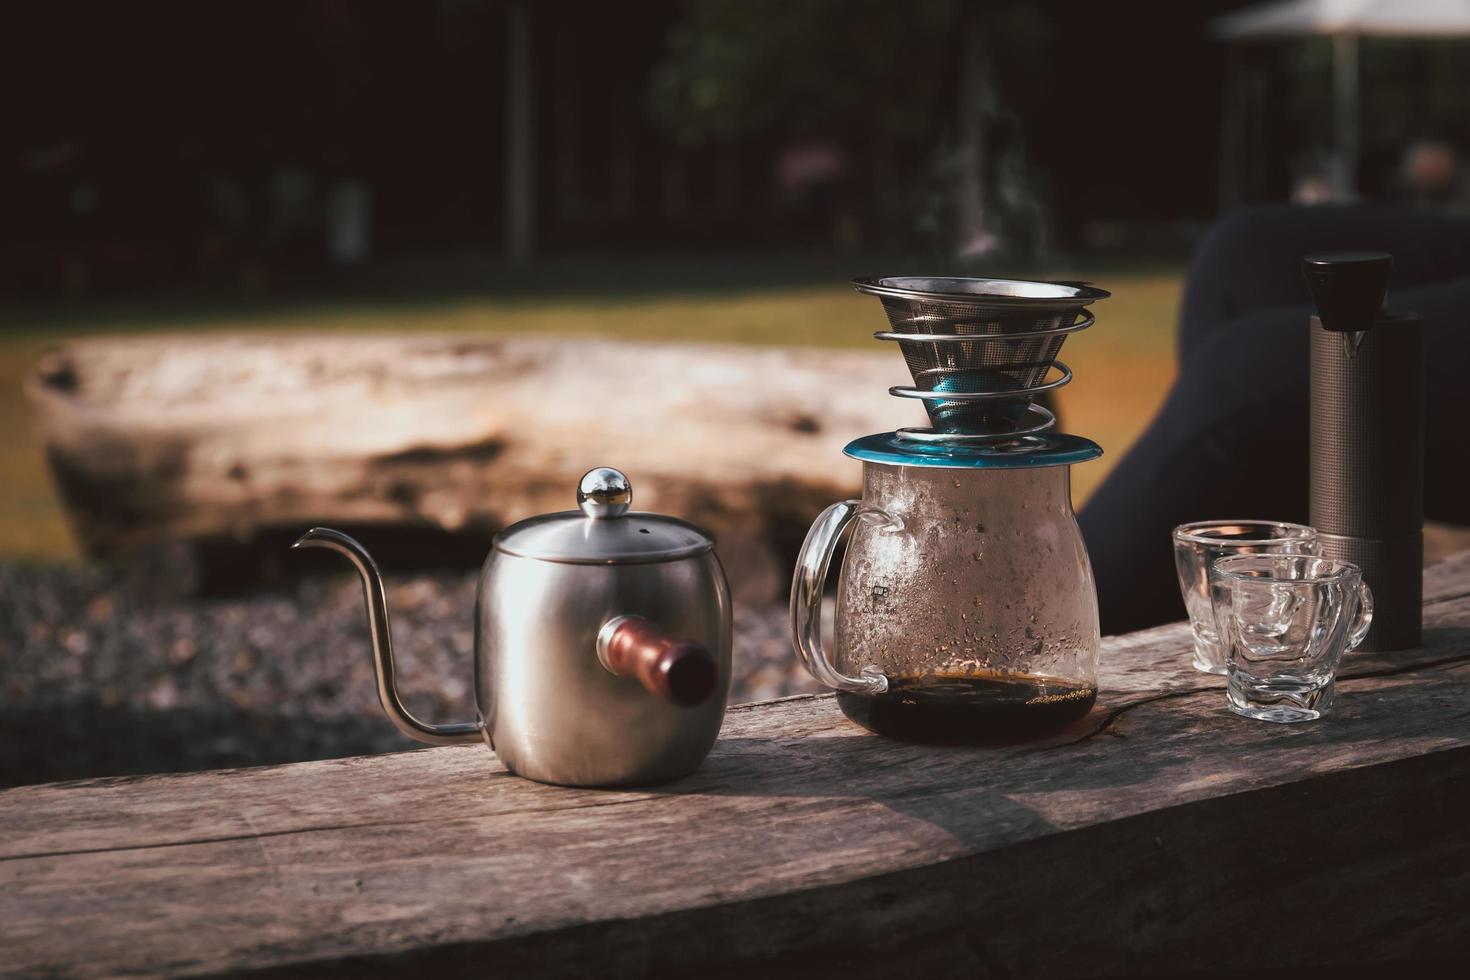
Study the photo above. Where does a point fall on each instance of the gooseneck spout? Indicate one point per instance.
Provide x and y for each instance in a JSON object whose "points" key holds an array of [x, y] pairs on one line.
{"points": [[377, 611]]}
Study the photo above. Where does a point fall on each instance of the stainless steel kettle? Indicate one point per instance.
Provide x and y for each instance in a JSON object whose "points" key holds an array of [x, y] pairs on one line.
{"points": [[602, 642]]}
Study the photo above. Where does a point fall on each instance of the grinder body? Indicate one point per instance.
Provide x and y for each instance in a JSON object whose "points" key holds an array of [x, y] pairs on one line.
{"points": [[1367, 451]]}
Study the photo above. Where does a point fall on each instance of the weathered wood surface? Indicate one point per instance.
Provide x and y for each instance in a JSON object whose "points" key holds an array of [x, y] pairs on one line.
{"points": [[160, 438], [1162, 833]]}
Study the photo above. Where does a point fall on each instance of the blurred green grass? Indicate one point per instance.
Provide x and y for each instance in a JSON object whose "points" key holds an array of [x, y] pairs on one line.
{"points": [[1124, 364]]}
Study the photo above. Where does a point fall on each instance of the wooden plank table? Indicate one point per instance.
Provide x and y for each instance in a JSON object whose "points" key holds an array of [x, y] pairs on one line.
{"points": [[1161, 833]]}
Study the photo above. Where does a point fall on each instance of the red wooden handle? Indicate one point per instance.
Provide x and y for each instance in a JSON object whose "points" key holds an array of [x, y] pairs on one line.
{"points": [[676, 670]]}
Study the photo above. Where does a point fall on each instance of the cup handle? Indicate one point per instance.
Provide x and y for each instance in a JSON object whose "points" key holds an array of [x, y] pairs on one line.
{"points": [[1365, 616], [806, 597]]}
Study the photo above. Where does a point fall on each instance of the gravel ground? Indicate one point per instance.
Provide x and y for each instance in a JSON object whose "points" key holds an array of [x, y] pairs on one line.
{"points": [[97, 681]]}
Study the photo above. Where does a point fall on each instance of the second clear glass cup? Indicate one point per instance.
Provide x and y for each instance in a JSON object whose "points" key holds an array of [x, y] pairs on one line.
{"points": [[1199, 544], [1285, 622]]}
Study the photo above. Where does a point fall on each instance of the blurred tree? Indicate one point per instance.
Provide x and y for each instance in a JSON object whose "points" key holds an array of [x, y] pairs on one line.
{"points": [[919, 80], [824, 66], [1412, 94]]}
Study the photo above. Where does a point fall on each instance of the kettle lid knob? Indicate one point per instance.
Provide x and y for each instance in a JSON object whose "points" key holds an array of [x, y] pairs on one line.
{"points": [[604, 492]]}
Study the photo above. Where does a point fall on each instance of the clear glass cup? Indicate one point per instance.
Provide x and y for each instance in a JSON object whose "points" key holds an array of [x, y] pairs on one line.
{"points": [[1198, 545], [1285, 622]]}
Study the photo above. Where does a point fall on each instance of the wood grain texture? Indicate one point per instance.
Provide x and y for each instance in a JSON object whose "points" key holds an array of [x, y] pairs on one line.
{"points": [[1159, 833]]}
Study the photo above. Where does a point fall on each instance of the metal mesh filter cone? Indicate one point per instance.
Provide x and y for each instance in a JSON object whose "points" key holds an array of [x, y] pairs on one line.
{"points": [[980, 336]]}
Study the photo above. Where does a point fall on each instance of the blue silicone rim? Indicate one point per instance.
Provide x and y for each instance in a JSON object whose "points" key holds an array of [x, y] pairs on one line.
{"points": [[1044, 449]]}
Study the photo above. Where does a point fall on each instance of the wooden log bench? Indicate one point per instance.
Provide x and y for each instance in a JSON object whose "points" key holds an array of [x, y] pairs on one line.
{"points": [[233, 444], [1160, 834]]}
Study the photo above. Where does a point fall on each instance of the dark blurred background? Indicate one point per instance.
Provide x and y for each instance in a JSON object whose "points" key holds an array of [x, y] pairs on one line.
{"points": [[291, 164], [269, 144]]}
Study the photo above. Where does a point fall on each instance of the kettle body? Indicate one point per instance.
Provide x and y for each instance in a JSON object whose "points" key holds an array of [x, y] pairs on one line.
{"points": [[549, 706], [602, 643]]}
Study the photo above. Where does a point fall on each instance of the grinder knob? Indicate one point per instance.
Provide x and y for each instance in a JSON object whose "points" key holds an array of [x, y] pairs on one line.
{"points": [[1348, 287]]}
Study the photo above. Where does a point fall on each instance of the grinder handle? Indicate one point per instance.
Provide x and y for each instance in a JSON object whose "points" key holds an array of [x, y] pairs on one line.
{"points": [[679, 671]]}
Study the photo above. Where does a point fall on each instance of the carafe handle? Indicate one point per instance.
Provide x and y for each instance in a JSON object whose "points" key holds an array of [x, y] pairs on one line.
{"points": [[806, 597]]}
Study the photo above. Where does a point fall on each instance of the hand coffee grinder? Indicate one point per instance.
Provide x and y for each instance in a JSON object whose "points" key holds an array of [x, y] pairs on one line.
{"points": [[1367, 442]]}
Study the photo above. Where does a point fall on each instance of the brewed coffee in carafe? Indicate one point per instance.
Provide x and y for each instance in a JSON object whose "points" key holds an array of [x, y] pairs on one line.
{"points": [[970, 708]]}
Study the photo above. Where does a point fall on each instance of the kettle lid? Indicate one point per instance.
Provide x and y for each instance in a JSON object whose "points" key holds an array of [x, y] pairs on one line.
{"points": [[604, 531]]}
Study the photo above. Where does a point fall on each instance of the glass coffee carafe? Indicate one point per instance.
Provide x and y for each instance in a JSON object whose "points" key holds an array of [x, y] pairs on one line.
{"points": [[966, 609]]}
